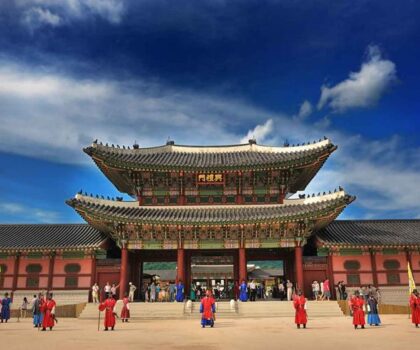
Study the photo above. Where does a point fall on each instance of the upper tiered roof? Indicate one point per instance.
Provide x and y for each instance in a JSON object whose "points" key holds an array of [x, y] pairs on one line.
{"points": [[115, 162]]}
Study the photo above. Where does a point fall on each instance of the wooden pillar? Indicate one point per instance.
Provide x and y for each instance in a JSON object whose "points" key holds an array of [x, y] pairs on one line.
{"points": [[180, 264], [236, 267], [299, 267], [374, 270], [16, 272], [239, 183], [243, 273], [331, 275], [188, 277], [51, 270], [123, 270]]}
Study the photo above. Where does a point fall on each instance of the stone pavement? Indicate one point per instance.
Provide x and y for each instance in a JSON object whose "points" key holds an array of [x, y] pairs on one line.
{"points": [[263, 333]]}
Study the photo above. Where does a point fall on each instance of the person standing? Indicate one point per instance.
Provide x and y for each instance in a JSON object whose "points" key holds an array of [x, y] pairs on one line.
{"points": [[114, 290], [327, 292], [107, 290], [373, 315], [299, 303], [192, 292], [131, 290], [24, 308], [36, 310], [172, 291], [95, 293], [125, 311], [289, 286], [252, 291], [48, 311], [109, 307], [5, 308], [415, 307], [152, 292], [357, 303], [180, 291], [207, 310], [242, 291]]}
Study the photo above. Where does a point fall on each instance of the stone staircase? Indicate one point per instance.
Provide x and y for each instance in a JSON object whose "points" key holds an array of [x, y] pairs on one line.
{"points": [[224, 309]]}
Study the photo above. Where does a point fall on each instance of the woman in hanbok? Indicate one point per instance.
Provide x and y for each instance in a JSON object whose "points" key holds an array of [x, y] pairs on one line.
{"points": [[372, 306], [125, 311], [5, 308], [243, 296], [192, 292]]}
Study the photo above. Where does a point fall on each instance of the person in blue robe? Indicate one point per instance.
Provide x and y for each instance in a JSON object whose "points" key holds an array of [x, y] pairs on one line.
{"points": [[180, 291], [243, 296], [36, 311], [373, 316], [5, 308]]}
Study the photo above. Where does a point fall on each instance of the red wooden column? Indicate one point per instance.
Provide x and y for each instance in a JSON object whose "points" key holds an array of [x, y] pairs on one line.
{"points": [[124, 270], [16, 272], [51, 270], [299, 266], [373, 264], [243, 273], [180, 265]]}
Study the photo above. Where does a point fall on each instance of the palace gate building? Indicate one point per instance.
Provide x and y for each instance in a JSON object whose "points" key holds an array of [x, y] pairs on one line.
{"points": [[224, 204]]}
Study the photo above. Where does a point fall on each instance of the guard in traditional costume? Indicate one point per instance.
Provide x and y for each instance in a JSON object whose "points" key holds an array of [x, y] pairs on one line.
{"points": [[5, 308], [125, 311], [415, 307], [299, 303], [109, 307], [207, 310], [357, 304], [180, 291], [372, 309], [243, 296], [48, 313]]}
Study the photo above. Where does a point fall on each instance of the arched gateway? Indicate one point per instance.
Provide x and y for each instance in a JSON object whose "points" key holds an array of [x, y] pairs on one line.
{"points": [[197, 201]]}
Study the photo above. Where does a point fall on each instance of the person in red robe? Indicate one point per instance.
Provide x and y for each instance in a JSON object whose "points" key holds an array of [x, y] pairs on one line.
{"points": [[357, 303], [109, 307], [48, 311], [207, 310], [415, 307], [125, 311], [299, 303]]}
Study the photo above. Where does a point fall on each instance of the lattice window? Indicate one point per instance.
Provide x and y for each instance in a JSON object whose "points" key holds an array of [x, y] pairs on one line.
{"points": [[3, 269], [72, 268], [391, 264], [32, 282], [393, 278], [353, 279], [352, 265], [71, 282], [34, 268]]}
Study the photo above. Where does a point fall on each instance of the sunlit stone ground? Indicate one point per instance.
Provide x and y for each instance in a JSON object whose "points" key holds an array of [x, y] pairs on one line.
{"points": [[397, 332]]}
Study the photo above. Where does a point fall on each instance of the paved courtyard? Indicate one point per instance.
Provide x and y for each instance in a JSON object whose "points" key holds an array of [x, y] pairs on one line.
{"points": [[268, 333]]}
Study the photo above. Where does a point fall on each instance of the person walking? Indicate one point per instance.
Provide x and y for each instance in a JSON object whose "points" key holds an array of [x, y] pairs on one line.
{"points": [[327, 292], [415, 308], [357, 303], [95, 293], [5, 308], [24, 308], [289, 286], [48, 310], [131, 290], [372, 309]]}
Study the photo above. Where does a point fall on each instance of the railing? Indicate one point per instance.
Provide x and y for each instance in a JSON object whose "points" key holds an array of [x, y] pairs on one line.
{"points": [[383, 309]]}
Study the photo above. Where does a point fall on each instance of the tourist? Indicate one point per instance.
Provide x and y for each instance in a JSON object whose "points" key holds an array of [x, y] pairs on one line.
{"points": [[180, 291], [372, 308], [207, 310], [48, 313], [109, 307], [242, 291], [95, 293], [415, 307], [198, 292], [343, 290], [172, 291], [299, 303], [289, 288], [5, 308], [378, 295], [24, 308], [281, 291], [339, 291], [125, 311], [192, 292], [252, 291], [107, 290], [131, 289], [315, 290], [357, 304], [327, 293], [152, 292], [114, 290], [321, 287], [146, 292], [36, 310]]}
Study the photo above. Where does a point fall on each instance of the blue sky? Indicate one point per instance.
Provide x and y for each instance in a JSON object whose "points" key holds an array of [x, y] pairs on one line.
{"points": [[208, 72]]}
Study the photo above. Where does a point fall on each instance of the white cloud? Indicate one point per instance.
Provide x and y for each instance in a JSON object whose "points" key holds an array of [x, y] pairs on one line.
{"points": [[36, 17], [260, 132], [363, 88], [37, 13], [19, 212], [305, 110]]}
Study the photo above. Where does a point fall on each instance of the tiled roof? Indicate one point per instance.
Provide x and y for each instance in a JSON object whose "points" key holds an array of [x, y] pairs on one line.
{"points": [[370, 233], [49, 236], [201, 157], [210, 214]]}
